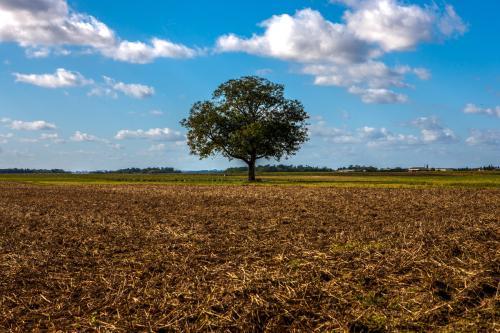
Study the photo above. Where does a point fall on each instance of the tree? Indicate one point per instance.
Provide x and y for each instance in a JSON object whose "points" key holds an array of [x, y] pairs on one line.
{"points": [[247, 119]]}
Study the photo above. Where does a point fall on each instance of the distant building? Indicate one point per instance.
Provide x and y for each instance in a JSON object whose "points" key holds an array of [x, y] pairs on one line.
{"points": [[416, 169]]}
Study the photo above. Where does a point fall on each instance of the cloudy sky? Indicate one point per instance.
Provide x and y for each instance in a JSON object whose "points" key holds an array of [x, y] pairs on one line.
{"points": [[103, 84]]}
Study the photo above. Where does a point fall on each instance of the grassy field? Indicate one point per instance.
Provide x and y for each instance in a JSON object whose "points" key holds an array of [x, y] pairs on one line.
{"points": [[156, 258], [380, 180]]}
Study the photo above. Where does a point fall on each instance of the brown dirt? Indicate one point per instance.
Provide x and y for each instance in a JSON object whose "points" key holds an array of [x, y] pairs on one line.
{"points": [[188, 258]]}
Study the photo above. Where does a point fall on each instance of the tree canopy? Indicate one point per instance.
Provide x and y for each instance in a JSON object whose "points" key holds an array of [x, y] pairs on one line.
{"points": [[247, 119]]}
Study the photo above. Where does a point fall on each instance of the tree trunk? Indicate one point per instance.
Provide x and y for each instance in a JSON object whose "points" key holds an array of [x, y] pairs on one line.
{"points": [[251, 170]]}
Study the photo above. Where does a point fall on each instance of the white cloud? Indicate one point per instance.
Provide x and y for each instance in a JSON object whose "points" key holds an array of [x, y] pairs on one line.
{"points": [[303, 37], [382, 136], [486, 137], [164, 134], [134, 90], [345, 54], [61, 78], [332, 134], [378, 95], [42, 25], [433, 132], [472, 108], [53, 137], [111, 87], [370, 79], [397, 26], [142, 53], [102, 90], [373, 74], [49, 136], [37, 52], [450, 23], [83, 137], [370, 136], [79, 136], [37, 125]]}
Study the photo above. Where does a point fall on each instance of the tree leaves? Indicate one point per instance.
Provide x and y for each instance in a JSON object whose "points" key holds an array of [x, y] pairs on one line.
{"points": [[247, 119]]}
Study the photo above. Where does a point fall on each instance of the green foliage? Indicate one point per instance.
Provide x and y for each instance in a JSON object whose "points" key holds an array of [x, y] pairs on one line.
{"points": [[282, 168], [143, 170], [26, 171], [247, 119]]}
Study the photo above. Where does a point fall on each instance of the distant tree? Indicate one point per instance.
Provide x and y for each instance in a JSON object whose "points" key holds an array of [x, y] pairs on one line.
{"points": [[247, 119]]}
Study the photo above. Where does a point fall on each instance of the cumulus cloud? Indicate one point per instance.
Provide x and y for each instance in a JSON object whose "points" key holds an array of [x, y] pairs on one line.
{"points": [[332, 134], [304, 37], [472, 108], [134, 90], [485, 137], [83, 137], [163, 134], [433, 131], [398, 27], [378, 95], [374, 74], [37, 125], [43, 25], [111, 88], [382, 136], [370, 136], [52, 137], [371, 80], [142, 53], [62, 78], [346, 54]]}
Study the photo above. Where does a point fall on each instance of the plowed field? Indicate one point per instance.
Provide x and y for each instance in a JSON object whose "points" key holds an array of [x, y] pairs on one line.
{"points": [[244, 258]]}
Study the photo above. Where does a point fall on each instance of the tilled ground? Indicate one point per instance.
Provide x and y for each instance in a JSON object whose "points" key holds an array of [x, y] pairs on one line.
{"points": [[188, 258]]}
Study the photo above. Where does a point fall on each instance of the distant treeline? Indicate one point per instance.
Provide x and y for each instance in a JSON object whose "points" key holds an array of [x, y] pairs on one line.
{"points": [[350, 168], [260, 168], [128, 170], [282, 168], [369, 168], [142, 170], [487, 168], [16, 170], [361, 168]]}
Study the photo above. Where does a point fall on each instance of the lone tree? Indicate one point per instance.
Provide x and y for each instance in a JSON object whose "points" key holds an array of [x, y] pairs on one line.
{"points": [[247, 119]]}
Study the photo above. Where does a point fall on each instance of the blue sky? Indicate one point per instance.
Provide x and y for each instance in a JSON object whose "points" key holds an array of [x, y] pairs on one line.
{"points": [[103, 84]]}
